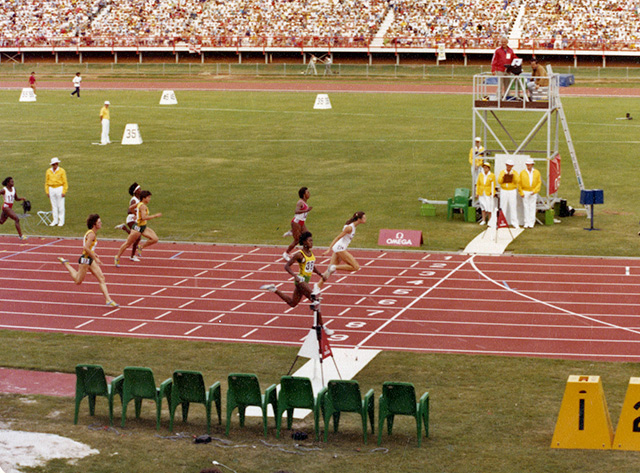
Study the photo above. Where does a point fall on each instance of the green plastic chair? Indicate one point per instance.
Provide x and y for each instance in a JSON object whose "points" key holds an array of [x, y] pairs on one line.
{"points": [[460, 200], [344, 396], [139, 384], [92, 382], [244, 390], [188, 387], [296, 392], [400, 399]]}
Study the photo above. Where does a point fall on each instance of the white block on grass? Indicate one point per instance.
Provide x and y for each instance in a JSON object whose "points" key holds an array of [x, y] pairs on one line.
{"points": [[27, 95], [322, 102], [168, 98], [131, 135]]}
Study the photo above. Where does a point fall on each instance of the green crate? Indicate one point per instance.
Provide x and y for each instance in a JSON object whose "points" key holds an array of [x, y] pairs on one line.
{"points": [[428, 210], [548, 217], [471, 215]]}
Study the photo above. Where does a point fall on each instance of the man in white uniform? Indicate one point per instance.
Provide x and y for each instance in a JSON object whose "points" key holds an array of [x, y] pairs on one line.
{"points": [[508, 182], [530, 184], [55, 186]]}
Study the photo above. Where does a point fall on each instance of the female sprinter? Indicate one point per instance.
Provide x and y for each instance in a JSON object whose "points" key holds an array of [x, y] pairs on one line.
{"points": [[341, 259], [140, 227], [134, 192], [10, 196], [89, 260], [298, 226], [306, 261]]}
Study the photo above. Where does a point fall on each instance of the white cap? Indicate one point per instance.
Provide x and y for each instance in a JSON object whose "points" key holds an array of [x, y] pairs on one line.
{"points": [[529, 161], [106, 102], [54, 161], [509, 162], [478, 138]]}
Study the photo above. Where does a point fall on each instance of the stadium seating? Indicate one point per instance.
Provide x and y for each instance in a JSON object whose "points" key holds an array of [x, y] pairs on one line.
{"points": [[400, 399], [344, 396], [188, 387], [92, 382]]}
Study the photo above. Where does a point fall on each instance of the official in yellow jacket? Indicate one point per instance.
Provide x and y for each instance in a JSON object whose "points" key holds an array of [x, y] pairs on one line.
{"points": [[486, 191], [476, 158], [508, 182], [56, 186], [529, 187]]}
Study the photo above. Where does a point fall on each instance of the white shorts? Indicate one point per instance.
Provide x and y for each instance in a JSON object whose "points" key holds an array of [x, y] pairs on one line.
{"points": [[486, 202], [338, 247]]}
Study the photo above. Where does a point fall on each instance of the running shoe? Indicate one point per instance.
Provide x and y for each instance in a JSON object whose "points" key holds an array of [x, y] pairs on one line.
{"points": [[23, 237], [116, 261], [121, 226], [135, 258], [62, 260], [113, 304], [327, 331], [287, 233], [268, 287], [139, 251], [316, 290], [286, 256]]}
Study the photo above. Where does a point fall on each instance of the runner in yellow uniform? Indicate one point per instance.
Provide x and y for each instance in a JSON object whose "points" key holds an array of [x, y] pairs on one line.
{"points": [[89, 260], [140, 227]]}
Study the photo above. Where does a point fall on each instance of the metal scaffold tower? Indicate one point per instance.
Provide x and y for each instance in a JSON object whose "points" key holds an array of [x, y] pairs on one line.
{"points": [[515, 122]]}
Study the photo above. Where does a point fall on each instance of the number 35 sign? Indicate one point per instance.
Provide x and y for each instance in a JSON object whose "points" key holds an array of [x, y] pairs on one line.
{"points": [[584, 422]]}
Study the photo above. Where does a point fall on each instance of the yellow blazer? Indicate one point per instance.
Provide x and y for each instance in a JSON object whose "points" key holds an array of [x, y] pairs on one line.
{"points": [[533, 186], [486, 184], [509, 186]]}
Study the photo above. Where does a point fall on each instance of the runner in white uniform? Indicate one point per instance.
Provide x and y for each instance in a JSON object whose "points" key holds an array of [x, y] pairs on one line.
{"points": [[134, 192], [10, 196], [341, 259], [298, 226]]}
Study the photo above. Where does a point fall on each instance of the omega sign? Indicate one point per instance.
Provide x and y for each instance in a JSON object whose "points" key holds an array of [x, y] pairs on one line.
{"points": [[400, 238]]}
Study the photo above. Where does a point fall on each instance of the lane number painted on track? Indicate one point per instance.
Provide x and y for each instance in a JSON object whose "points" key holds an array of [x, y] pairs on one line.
{"points": [[417, 282], [371, 312], [338, 337], [356, 324], [427, 273], [438, 265], [402, 292], [387, 301]]}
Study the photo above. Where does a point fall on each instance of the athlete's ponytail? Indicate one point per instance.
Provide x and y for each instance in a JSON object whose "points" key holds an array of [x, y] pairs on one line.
{"points": [[356, 216]]}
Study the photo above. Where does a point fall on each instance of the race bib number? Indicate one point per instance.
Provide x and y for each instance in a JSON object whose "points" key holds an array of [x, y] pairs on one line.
{"points": [[136, 228], [84, 260]]}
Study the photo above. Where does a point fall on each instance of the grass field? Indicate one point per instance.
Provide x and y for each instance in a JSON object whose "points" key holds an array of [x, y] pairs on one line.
{"points": [[225, 167]]}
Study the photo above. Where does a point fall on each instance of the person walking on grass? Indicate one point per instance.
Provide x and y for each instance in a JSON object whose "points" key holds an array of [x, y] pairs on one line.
{"points": [[76, 85], [341, 259], [89, 261], [10, 196], [140, 228]]}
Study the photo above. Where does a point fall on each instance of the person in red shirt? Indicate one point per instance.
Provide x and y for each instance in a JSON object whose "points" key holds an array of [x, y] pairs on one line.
{"points": [[502, 57], [32, 82]]}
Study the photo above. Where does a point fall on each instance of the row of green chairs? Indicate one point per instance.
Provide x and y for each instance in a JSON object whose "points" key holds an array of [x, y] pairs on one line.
{"points": [[186, 387]]}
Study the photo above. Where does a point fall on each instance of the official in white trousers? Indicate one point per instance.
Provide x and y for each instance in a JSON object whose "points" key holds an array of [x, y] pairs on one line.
{"points": [[508, 182], [530, 185], [56, 186], [105, 117]]}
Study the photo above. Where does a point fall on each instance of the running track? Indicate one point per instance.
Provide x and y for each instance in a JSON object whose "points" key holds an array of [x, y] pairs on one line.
{"points": [[560, 307]]}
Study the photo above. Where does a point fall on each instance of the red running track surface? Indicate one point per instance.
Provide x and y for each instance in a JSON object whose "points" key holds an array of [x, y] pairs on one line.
{"points": [[559, 307]]}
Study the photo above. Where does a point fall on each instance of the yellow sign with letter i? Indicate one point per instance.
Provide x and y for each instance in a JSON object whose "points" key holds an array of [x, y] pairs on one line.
{"points": [[628, 429], [583, 421]]}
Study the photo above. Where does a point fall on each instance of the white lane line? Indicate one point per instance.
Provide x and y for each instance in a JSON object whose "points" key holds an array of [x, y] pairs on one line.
{"points": [[201, 273], [289, 310], [158, 291], [258, 296], [208, 293], [137, 300], [180, 282], [412, 303], [447, 257], [220, 265], [272, 320], [186, 304], [246, 275], [375, 290], [328, 322], [253, 251], [415, 264], [193, 330], [228, 284], [162, 315], [264, 267], [361, 300], [238, 306], [369, 262], [402, 272], [341, 279], [249, 333], [553, 306], [137, 327], [216, 318], [86, 323], [111, 312], [344, 311], [425, 257], [237, 257], [389, 281]]}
